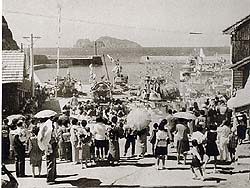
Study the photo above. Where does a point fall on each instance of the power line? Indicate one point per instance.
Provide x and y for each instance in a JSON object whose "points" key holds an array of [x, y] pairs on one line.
{"points": [[112, 25]]}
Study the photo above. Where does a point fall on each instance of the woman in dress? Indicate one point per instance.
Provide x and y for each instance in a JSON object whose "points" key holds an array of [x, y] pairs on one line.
{"points": [[35, 152], [211, 147], [224, 139], [181, 135]]}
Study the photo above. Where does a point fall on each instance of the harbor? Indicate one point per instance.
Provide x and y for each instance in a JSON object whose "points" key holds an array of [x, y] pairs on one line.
{"points": [[131, 96]]}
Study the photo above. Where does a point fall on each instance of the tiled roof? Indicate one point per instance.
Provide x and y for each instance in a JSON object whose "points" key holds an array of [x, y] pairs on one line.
{"points": [[12, 66], [234, 27]]}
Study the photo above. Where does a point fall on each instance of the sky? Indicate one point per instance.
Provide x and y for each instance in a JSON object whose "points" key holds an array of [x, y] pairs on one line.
{"points": [[151, 23]]}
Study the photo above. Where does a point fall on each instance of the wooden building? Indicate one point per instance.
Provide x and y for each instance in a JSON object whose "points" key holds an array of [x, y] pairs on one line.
{"points": [[15, 84], [240, 50]]}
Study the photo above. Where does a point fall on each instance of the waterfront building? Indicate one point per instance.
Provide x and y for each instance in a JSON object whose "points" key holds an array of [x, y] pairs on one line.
{"points": [[15, 83], [240, 51]]}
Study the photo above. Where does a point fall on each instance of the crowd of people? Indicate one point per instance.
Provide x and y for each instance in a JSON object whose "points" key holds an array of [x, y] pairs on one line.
{"points": [[86, 133]]}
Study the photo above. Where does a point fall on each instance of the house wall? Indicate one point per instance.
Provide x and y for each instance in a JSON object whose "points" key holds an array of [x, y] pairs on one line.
{"points": [[240, 41], [10, 98]]}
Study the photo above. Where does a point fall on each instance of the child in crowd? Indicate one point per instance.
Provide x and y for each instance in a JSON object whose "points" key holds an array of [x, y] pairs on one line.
{"points": [[162, 141], [196, 160], [152, 138]]}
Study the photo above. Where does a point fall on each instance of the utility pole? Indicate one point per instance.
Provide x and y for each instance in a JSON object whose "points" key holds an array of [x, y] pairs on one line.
{"points": [[58, 48], [31, 40], [95, 48]]}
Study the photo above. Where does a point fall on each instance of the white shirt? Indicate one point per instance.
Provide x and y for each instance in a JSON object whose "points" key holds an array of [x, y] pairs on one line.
{"points": [[197, 135], [100, 131], [161, 138]]}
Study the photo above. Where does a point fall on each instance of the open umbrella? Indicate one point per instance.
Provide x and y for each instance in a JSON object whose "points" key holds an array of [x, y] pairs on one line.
{"points": [[15, 116], [45, 114], [138, 119], [184, 115], [44, 135]]}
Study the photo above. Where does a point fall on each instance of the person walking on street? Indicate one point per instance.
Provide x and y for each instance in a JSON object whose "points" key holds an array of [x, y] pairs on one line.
{"points": [[211, 147], [196, 160]]}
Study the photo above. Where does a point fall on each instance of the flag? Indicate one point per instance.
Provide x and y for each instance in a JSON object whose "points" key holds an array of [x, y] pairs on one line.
{"points": [[111, 58], [91, 66]]}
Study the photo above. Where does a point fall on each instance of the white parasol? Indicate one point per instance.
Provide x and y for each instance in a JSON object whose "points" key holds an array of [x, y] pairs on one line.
{"points": [[45, 114], [15, 116], [184, 115], [44, 135], [138, 119]]}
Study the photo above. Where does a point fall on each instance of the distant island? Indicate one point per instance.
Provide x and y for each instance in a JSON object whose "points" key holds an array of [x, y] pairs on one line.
{"points": [[106, 42]]}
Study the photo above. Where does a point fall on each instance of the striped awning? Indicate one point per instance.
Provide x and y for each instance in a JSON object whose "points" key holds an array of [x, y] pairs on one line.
{"points": [[12, 66]]}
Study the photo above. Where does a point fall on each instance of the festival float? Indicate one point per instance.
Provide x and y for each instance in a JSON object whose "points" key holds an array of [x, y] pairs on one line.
{"points": [[158, 87], [201, 76]]}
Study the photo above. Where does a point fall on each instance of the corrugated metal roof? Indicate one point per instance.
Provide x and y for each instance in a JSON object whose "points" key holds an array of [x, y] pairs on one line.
{"points": [[233, 27], [12, 66]]}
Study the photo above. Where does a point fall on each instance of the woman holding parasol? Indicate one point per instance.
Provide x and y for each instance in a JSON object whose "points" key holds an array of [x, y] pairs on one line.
{"points": [[139, 119]]}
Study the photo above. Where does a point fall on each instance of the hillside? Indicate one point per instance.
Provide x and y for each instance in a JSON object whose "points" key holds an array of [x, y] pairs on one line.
{"points": [[8, 43], [106, 42]]}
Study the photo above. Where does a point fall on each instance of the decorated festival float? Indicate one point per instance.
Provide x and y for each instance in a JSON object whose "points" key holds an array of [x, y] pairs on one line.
{"points": [[202, 76], [158, 87]]}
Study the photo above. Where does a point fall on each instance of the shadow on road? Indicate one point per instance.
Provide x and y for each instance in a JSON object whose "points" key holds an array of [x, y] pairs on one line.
{"points": [[218, 180], [59, 176], [82, 182]]}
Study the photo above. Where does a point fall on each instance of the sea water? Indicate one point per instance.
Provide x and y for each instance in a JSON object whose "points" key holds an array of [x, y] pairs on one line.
{"points": [[155, 66]]}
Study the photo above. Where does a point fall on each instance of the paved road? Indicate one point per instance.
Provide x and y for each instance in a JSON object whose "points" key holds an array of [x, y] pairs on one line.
{"points": [[142, 172]]}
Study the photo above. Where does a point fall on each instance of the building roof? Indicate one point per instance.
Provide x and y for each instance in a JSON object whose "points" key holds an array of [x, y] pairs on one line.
{"points": [[241, 63], [234, 27], [12, 66]]}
